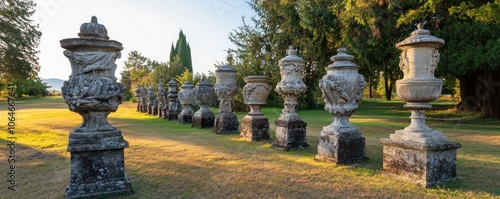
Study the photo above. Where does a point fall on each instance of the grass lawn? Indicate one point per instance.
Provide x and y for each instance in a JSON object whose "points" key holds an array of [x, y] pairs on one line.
{"points": [[171, 160]]}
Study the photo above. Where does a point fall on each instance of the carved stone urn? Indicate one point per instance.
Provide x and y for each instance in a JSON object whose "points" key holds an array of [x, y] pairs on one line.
{"points": [[225, 88], [255, 125], [137, 96], [161, 99], [342, 88], [203, 95], [151, 100], [418, 153], [96, 147], [144, 101], [186, 98], [290, 129], [174, 108]]}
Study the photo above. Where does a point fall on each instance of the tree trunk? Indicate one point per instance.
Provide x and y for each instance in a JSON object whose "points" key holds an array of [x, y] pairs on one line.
{"points": [[370, 86], [388, 87], [480, 91]]}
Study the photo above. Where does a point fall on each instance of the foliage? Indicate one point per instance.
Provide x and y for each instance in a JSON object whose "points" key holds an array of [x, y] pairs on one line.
{"points": [[181, 54], [19, 38]]}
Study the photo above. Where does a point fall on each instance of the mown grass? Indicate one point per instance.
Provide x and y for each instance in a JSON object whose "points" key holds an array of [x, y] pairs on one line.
{"points": [[171, 160]]}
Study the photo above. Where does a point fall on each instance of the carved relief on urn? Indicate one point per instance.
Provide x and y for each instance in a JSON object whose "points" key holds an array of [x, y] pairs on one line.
{"points": [[186, 98], [96, 147], [225, 88], [255, 126], [418, 153], [290, 129], [342, 89], [203, 95]]}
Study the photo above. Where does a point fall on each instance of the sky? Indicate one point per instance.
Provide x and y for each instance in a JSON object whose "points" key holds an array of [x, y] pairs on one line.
{"points": [[148, 26]]}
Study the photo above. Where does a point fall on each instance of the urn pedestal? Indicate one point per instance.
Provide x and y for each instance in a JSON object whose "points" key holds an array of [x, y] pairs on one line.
{"points": [[290, 128], [174, 108], [137, 96], [144, 100], [186, 98], [255, 125], [151, 101], [203, 94], [225, 88], [161, 99], [342, 88], [418, 153], [96, 147]]}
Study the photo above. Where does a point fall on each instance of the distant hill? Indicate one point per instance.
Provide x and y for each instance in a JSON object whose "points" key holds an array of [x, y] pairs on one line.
{"points": [[55, 83]]}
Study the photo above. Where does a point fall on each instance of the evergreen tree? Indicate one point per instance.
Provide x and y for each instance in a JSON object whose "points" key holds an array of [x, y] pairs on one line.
{"points": [[183, 51]]}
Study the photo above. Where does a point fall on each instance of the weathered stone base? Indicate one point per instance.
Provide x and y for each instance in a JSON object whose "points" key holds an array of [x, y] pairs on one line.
{"points": [[255, 128], [185, 118], [172, 114], [164, 113], [97, 165], [144, 109], [341, 146], [423, 164], [203, 119], [290, 135], [226, 123]]}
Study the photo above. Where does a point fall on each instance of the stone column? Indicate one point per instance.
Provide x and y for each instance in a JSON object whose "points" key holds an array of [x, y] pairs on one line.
{"points": [[96, 147], [203, 94], [144, 96], [174, 107], [151, 100], [161, 99], [137, 96], [225, 88], [255, 125], [342, 88], [290, 129], [186, 98], [418, 153]]}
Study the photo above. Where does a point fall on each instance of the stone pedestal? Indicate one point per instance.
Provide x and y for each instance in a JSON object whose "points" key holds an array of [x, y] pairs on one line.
{"points": [[185, 118], [255, 128], [96, 147], [203, 119], [174, 107], [417, 153], [290, 134], [424, 164], [226, 123], [203, 95], [290, 129], [161, 99], [342, 146]]}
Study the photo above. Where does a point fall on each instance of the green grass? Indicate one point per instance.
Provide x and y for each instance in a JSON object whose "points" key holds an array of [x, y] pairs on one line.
{"points": [[170, 160]]}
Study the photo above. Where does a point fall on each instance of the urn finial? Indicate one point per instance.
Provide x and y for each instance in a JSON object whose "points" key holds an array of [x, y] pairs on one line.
{"points": [[291, 51], [93, 30]]}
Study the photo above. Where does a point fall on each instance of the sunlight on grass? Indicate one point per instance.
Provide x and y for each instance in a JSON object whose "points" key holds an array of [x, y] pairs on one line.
{"points": [[167, 159]]}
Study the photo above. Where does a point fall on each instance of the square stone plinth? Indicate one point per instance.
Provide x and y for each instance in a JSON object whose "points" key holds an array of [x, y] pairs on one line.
{"points": [[290, 134], [203, 120], [341, 146], [98, 174], [226, 123], [185, 118], [172, 114], [255, 128], [423, 164]]}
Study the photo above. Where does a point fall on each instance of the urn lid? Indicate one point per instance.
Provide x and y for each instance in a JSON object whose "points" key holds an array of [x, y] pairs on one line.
{"points": [[225, 68], [93, 30], [292, 55], [204, 83], [420, 36], [92, 35], [342, 60], [187, 84], [172, 83], [256, 79]]}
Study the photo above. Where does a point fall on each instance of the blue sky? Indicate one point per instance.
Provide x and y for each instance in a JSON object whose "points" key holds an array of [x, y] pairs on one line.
{"points": [[148, 26]]}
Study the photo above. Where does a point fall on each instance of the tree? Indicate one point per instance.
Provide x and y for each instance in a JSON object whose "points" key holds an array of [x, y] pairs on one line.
{"points": [[137, 71], [19, 38], [182, 51]]}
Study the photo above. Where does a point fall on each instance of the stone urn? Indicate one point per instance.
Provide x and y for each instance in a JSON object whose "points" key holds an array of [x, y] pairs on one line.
{"points": [[174, 107], [186, 98], [290, 128], [203, 95], [342, 88], [418, 153], [225, 88], [255, 125], [161, 99], [137, 96], [96, 147], [151, 100], [144, 99]]}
